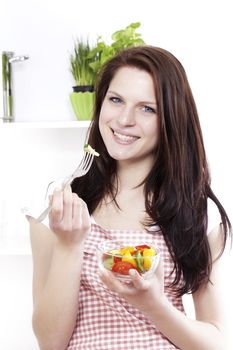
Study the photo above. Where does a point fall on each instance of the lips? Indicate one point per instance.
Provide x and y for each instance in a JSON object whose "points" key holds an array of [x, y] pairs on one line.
{"points": [[124, 138]]}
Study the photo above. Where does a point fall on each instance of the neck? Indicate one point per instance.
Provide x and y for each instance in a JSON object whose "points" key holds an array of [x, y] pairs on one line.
{"points": [[131, 175]]}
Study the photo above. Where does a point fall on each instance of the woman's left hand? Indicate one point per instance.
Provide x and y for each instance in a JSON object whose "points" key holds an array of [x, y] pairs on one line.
{"points": [[144, 294]]}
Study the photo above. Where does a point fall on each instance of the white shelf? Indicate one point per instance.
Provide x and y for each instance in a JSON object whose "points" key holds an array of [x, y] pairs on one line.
{"points": [[45, 125]]}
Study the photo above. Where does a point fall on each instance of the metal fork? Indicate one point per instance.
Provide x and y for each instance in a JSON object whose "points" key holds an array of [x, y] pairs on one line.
{"points": [[83, 167]]}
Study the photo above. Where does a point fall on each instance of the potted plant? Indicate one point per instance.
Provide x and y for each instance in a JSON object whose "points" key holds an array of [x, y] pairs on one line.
{"points": [[87, 61], [82, 96], [121, 39]]}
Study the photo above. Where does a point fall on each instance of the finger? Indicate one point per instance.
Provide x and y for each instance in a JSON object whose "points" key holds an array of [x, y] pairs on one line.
{"points": [[67, 205], [81, 217], [137, 281], [159, 271], [86, 220], [50, 199], [56, 211], [110, 281], [30, 218], [76, 211]]}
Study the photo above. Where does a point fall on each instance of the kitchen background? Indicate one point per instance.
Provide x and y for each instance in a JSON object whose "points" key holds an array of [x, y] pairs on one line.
{"points": [[45, 143]]}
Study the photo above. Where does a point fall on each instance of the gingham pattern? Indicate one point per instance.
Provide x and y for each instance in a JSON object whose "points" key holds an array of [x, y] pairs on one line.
{"points": [[106, 321]]}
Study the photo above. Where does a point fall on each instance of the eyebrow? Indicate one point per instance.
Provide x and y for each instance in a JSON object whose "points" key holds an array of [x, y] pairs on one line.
{"points": [[144, 102]]}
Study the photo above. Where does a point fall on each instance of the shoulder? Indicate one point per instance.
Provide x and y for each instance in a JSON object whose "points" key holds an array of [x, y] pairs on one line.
{"points": [[213, 216], [215, 231]]}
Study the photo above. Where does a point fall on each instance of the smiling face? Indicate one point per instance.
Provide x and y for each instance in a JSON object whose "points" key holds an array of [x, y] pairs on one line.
{"points": [[128, 120]]}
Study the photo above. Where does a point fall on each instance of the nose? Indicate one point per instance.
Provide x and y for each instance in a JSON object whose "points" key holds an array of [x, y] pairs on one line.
{"points": [[126, 117]]}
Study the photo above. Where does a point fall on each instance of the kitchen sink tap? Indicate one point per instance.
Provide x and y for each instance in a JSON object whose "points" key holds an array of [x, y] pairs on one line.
{"points": [[8, 99]]}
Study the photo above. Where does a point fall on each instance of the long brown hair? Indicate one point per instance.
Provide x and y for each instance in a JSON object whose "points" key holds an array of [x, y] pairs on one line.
{"points": [[178, 185]]}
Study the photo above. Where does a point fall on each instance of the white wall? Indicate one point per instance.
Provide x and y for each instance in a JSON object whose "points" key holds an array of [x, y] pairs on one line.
{"points": [[16, 303], [31, 157], [199, 33]]}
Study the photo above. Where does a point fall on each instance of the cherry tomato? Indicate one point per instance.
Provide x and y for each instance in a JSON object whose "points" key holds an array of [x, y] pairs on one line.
{"points": [[117, 258], [142, 247], [122, 267]]}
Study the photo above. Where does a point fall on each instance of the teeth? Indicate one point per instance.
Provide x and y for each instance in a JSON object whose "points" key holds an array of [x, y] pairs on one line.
{"points": [[125, 137]]}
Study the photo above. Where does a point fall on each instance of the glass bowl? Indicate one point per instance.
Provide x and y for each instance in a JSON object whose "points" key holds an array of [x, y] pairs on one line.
{"points": [[119, 258]]}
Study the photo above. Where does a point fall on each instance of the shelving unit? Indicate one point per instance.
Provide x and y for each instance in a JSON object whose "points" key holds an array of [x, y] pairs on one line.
{"points": [[45, 125]]}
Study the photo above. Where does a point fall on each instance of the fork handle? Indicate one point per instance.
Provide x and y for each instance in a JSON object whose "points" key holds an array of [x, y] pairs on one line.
{"points": [[44, 214]]}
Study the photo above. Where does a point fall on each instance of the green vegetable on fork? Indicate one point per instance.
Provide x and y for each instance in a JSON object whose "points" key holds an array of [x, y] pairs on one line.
{"points": [[89, 149]]}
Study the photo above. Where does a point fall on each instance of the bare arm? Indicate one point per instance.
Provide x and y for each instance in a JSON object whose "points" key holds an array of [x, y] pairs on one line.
{"points": [[204, 333], [57, 261]]}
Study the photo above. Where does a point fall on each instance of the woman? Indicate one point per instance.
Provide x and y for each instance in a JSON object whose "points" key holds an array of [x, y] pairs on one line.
{"points": [[151, 182]]}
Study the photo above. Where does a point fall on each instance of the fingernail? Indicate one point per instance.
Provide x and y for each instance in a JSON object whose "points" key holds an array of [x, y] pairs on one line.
{"points": [[29, 218], [132, 272]]}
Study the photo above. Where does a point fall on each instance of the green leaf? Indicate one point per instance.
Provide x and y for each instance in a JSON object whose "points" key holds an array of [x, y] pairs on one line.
{"points": [[87, 61]]}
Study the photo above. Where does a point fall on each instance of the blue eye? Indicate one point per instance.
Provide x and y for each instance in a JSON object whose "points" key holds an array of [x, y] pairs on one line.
{"points": [[148, 109], [115, 99]]}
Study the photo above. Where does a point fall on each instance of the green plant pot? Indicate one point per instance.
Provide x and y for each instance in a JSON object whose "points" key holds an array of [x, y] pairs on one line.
{"points": [[83, 104]]}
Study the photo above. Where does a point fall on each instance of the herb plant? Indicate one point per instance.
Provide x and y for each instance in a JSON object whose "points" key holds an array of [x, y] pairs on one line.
{"points": [[87, 61], [121, 39], [80, 63]]}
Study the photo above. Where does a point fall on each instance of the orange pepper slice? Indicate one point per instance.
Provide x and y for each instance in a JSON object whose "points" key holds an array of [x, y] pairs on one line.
{"points": [[147, 258], [126, 250], [128, 257]]}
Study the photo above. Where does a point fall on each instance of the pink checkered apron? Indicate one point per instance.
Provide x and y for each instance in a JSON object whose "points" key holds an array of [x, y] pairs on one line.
{"points": [[106, 321]]}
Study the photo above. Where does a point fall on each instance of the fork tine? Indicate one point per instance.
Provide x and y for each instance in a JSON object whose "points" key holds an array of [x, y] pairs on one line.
{"points": [[83, 160], [88, 159], [83, 167], [81, 164], [90, 162]]}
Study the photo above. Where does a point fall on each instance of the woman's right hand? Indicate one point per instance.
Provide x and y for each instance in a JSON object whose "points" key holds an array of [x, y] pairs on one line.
{"points": [[69, 218]]}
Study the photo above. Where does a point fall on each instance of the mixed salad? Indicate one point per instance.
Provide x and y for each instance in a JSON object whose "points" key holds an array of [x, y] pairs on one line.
{"points": [[121, 260]]}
